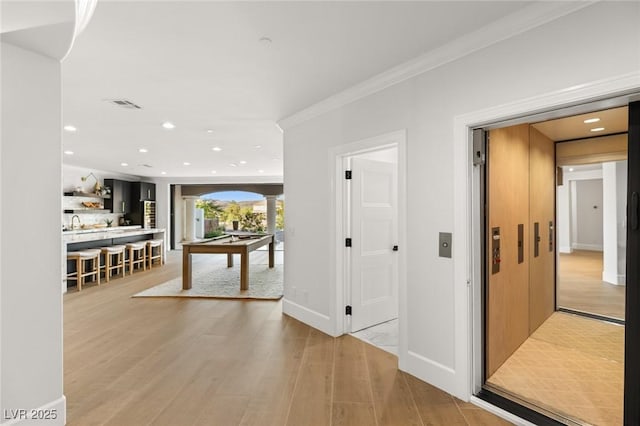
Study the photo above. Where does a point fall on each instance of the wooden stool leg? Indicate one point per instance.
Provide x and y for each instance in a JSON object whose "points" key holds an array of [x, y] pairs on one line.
{"points": [[79, 270], [130, 261], [107, 265], [144, 258], [121, 261], [96, 267]]}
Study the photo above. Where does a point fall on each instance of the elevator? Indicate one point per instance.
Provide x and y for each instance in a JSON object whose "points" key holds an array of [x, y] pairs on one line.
{"points": [[539, 360]]}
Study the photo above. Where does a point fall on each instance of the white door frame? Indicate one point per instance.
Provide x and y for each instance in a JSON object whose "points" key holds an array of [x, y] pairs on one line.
{"points": [[340, 205], [466, 237]]}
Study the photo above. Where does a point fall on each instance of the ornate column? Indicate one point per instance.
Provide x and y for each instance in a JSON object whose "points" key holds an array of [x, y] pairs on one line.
{"points": [[189, 218], [271, 213]]}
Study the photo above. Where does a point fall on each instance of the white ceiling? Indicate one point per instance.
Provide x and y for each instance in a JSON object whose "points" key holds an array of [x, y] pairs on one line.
{"points": [[202, 66]]}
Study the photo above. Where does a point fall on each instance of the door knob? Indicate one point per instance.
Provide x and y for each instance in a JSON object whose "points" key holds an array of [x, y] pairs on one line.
{"points": [[395, 248]]}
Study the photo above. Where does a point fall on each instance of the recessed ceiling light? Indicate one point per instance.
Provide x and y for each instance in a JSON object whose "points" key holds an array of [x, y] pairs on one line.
{"points": [[186, 163], [168, 125], [70, 128], [597, 129], [571, 169], [258, 146], [124, 164], [68, 152], [216, 148], [163, 173], [213, 171], [591, 120], [143, 150], [209, 131], [233, 165], [260, 171], [243, 162]]}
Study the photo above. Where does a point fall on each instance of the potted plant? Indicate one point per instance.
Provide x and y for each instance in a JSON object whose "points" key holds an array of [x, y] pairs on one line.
{"points": [[108, 222]]}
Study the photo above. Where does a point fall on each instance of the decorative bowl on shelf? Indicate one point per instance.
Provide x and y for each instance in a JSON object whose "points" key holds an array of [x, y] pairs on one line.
{"points": [[92, 204]]}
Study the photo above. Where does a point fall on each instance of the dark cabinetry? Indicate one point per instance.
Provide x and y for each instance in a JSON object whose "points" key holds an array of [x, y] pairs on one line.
{"points": [[143, 191], [143, 206], [120, 201]]}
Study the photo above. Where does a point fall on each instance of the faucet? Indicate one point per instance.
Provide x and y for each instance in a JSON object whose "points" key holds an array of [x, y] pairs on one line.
{"points": [[72, 219]]}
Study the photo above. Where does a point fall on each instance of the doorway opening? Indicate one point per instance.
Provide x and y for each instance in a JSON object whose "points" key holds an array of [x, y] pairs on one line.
{"points": [[369, 236], [553, 338]]}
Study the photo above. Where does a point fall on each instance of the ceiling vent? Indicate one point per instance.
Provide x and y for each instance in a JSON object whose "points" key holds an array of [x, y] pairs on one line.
{"points": [[123, 103], [146, 165]]}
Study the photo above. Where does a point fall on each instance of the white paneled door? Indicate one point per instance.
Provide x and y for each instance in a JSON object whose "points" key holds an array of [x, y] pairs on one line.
{"points": [[374, 231]]}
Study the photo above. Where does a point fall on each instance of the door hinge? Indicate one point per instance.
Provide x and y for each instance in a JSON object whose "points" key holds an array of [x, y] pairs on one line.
{"points": [[347, 310], [347, 174], [347, 242]]}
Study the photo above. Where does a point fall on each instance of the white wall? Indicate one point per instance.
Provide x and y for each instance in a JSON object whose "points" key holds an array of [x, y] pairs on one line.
{"points": [[72, 177], [31, 194], [563, 216], [521, 67], [614, 222], [588, 216]]}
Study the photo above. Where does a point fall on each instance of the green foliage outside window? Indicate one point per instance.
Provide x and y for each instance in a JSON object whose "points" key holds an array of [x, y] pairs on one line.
{"points": [[212, 210], [280, 214]]}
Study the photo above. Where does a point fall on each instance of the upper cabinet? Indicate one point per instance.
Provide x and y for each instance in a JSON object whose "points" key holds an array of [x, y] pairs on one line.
{"points": [[120, 201], [143, 191]]}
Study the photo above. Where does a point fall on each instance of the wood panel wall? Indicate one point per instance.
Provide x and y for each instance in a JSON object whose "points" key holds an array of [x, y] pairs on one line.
{"points": [[508, 198], [520, 191], [542, 210]]}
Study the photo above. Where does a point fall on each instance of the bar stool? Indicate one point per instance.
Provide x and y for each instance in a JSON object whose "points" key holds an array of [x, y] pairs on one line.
{"points": [[87, 265], [112, 253], [137, 256], [158, 255]]}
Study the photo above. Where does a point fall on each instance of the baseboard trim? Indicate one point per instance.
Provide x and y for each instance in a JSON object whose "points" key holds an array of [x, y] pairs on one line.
{"points": [[433, 372], [613, 278], [565, 249], [588, 247], [308, 316], [59, 405]]}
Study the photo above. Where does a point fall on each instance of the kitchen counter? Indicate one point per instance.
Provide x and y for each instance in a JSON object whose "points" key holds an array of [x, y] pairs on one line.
{"points": [[100, 229], [77, 236]]}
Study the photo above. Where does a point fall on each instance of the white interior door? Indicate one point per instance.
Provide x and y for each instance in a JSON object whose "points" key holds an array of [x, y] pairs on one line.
{"points": [[374, 233]]}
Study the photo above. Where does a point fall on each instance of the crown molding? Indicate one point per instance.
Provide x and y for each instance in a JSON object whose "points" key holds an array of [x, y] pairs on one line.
{"points": [[530, 17]]}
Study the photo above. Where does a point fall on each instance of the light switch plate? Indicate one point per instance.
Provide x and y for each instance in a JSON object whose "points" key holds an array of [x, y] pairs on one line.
{"points": [[445, 244]]}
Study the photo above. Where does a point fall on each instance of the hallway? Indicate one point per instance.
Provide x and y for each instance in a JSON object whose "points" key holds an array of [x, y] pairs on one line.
{"points": [[580, 285]]}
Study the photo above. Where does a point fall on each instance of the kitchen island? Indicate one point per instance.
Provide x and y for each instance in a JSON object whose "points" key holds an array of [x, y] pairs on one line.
{"points": [[82, 239]]}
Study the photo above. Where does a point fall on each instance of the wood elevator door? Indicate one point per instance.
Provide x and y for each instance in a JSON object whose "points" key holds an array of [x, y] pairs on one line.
{"points": [[507, 292], [542, 211]]}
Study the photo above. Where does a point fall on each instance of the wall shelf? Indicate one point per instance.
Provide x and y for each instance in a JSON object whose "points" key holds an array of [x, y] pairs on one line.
{"points": [[86, 194], [88, 210]]}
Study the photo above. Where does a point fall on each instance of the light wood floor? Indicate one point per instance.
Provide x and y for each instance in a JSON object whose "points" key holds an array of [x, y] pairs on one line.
{"points": [[580, 285], [221, 362]]}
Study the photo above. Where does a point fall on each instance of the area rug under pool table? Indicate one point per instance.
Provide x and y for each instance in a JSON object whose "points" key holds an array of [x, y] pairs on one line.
{"points": [[220, 282]]}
